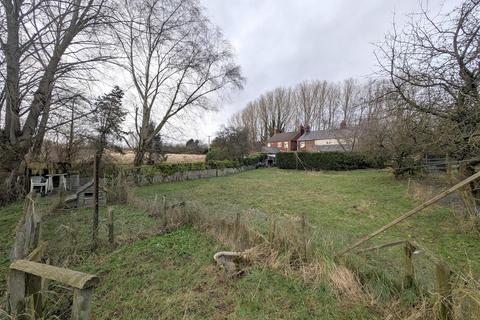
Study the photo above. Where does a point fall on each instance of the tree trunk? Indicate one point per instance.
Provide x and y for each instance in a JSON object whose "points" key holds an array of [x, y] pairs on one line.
{"points": [[39, 137], [139, 155], [473, 189], [10, 167]]}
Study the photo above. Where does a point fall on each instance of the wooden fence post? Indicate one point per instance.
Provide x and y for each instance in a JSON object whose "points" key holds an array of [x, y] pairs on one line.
{"points": [[164, 211], [110, 226], [154, 210], [81, 303], [303, 225], [236, 231], [96, 181], [16, 294], [34, 293], [444, 291], [409, 267]]}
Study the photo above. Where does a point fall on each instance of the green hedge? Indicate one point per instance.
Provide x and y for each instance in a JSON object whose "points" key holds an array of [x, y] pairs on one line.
{"points": [[221, 164], [168, 169], [321, 161], [253, 159]]}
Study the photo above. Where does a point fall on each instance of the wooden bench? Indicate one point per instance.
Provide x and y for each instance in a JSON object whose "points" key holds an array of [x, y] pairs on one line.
{"points": [[25, 279]]}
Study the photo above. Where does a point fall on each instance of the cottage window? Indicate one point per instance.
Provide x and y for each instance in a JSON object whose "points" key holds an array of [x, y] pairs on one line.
{"points": [[302, 144], [279, 144], [269, 144], [285, 144]]}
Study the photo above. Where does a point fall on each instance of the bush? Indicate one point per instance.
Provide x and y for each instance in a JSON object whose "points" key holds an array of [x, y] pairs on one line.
{"points": [[254, 159], [167, 169], [221, 164], [215, 154], [321, 161]]}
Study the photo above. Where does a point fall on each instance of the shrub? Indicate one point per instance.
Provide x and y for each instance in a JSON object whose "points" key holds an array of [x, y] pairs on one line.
{"points": [[253, 159], [221, 164], [168, 169], [322, 161]]}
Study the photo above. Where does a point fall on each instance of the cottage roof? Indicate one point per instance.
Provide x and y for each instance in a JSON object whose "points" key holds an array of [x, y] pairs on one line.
{"points": [[326, 134], [283, 136]]}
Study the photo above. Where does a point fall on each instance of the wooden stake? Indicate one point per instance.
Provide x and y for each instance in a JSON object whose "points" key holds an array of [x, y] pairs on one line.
{"points": [[16, 294], [34, 288], [81, 304], [444, 289], [409, 267], [304, 237], [164, 211], [411, 213], [110, 226], [95, 211]]}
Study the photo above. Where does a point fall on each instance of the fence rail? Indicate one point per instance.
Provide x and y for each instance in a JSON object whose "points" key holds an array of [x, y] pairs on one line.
{"points": [[28, 277]]}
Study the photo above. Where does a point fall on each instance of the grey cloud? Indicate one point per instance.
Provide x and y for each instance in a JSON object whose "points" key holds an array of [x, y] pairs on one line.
{"points": [[283, 42]]}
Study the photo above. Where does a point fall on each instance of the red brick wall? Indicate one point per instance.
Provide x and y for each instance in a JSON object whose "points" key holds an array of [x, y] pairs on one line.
{"points": [[292, 146], [309, 146]]}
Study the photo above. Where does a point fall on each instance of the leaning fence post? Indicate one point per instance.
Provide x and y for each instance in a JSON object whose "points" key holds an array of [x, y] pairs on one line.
{"points": [[409, 267], [110, 226], [81, 303], [444, 291]]}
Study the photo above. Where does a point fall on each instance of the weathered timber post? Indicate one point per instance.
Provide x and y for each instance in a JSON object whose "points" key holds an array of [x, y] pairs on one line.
{"points": [[164, 211], [16, 294], [35, 285], [110, 226], [81, 305], [236, 231], [82, 283], [443, 272], [95, 210], [34, 289], [303, 222], [409, 267], [154, 207]]}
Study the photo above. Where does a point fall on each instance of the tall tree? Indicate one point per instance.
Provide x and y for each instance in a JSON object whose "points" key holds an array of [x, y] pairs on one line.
{"points": [[176, 60], [434, 66], [107, 121], [41, 41]]}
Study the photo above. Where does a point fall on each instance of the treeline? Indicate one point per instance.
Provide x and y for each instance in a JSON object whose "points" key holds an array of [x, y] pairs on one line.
{"points": [[317, 104], [423, 101]]}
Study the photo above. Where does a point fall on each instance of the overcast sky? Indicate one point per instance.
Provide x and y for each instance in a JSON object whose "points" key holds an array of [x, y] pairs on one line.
{"points": [[283, 42]]}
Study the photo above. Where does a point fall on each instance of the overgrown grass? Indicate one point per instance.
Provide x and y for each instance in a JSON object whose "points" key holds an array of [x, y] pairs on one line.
{"points": [[150, 274], [172, 277], [342, 206]]}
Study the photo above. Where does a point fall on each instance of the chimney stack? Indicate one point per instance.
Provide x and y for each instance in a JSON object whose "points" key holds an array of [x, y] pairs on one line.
{"points": [[301, 129], [307, 128], [343, 124]]}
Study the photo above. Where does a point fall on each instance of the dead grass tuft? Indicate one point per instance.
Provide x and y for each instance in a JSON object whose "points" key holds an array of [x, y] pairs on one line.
{"points": [[346, 284]]}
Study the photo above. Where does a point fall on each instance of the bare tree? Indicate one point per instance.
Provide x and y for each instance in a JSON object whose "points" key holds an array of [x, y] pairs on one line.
{"points": [[42, 42], [434, 66], [176, 60]]}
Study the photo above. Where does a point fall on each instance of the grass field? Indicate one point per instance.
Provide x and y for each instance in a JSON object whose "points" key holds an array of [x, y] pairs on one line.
{"points": [[150, 274], [342, 206]]}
